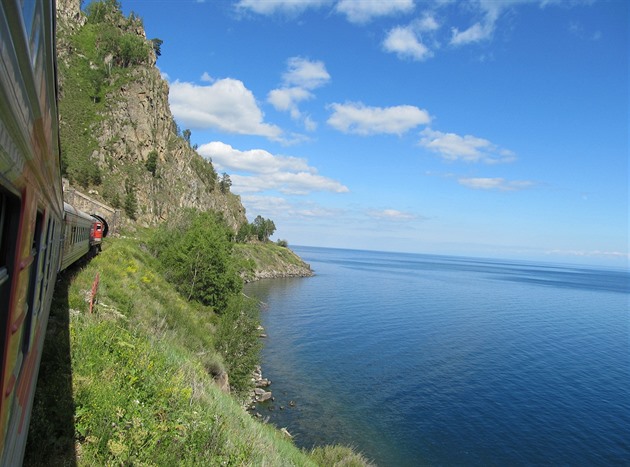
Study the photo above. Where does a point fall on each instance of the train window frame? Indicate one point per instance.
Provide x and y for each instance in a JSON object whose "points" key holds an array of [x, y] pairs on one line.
{"points": [[47, 246], [33, 302]]}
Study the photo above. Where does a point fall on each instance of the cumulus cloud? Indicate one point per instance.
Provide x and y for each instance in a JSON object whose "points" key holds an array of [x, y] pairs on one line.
{"points": [[226, 105], [292, 7], [256, 161], [392, 215], [287, 100], [262, 171], [360, 119], [290, 183], [277, 207], [206, 78], [426, 23], [305, 73], [356, 11], [500, 184], [466, 148], [302, 76], [403, 42], [363, 11]]}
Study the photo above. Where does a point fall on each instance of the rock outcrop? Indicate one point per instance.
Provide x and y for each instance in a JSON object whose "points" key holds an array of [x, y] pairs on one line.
{"points": [[136, 145]]}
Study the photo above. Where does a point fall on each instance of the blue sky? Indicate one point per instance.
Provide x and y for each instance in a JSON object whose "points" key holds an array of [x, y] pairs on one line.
{"points": [[483, 128]]}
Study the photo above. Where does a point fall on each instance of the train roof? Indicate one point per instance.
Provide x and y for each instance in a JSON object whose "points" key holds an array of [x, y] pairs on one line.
{"points": [[67, 208]]}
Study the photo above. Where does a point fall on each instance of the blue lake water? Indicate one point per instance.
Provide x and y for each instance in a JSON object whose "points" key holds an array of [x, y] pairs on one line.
{"points": [[435, 360]]}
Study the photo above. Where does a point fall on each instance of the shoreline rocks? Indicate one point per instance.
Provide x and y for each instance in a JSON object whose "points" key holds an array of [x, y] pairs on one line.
{"points": [[290, 271], [259, 394]]}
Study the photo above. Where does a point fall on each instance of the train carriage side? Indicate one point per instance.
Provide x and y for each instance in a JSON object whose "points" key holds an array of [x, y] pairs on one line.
{"points": [[31, 208], [76, 237]]}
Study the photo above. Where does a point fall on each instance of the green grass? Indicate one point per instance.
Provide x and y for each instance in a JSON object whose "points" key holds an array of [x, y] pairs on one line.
{"points": [[131, 383], [267, 256]]}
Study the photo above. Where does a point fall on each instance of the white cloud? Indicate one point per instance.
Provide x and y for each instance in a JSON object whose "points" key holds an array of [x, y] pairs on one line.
{"points": [[256, 161], [362, 120], [466, 148], [392, 215], [305, 73], [291, 175], [287, 99], [484, 29], [206, 78], [277, 207], [226, 105], [363, 11], [500, 184], [268, 7], [310, 124], [426, 23], [291, 183], [490, 10], [403, 42], [302, 76], [475, 33]]}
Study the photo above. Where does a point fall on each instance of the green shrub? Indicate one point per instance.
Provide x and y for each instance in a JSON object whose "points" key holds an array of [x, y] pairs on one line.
{"points": [[151, 163], [238, 342], [196, 256]]}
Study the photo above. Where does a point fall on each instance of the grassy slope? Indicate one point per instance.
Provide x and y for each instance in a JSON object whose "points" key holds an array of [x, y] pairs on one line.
{"points": [[270, 258], [138, 379]]}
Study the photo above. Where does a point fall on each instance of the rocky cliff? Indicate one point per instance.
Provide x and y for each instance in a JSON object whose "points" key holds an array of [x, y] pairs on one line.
{"points": [[118, 136]]}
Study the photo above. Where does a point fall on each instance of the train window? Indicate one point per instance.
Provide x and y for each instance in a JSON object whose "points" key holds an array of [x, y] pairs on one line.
{"points": [[32, 16], [9, 219], [35, 283], [46, 250]]}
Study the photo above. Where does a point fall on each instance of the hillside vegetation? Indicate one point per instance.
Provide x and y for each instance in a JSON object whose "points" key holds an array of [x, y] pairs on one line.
{"points": [[269, 260], [139, 386]]}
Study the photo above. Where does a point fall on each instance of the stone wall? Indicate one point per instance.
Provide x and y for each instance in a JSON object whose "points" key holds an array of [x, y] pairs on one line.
{"points": [[90, 205]]}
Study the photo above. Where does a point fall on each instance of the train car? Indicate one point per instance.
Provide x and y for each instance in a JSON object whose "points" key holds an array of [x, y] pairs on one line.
{"points": [[77, 240], [31, 203], [97, 233]]}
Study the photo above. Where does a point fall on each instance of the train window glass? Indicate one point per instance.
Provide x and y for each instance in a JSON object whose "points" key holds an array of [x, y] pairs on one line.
{"points": [[45, 258], [9, 220], [32, 16], [28, 12]]}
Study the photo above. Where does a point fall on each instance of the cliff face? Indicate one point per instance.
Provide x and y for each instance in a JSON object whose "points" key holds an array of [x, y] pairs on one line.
{"points": [[119, 139]]}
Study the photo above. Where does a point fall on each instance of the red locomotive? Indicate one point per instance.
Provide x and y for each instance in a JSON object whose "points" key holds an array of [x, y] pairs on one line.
{"points": [[39, 235]]}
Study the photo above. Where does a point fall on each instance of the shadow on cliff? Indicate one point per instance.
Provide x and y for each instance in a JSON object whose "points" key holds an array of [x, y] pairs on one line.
{"points": [[51, 431]]}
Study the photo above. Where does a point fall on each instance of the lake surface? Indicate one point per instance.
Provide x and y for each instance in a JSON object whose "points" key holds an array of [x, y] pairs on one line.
{"points": [[436, 360]]}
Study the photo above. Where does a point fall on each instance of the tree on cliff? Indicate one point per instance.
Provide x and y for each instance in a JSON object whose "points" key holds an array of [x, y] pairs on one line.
{"points": [[157, 46], [261, 229], [225, 183], [264, 228]]}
